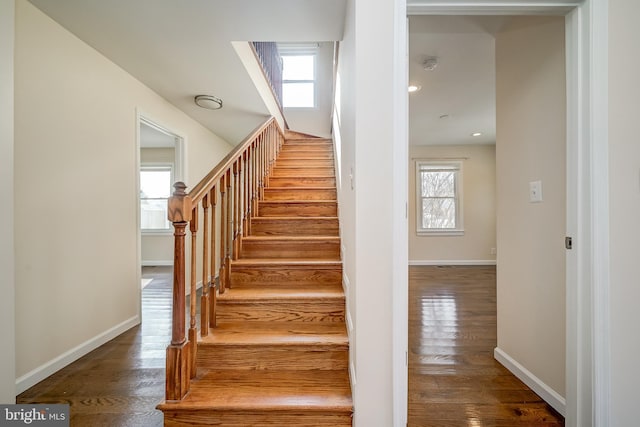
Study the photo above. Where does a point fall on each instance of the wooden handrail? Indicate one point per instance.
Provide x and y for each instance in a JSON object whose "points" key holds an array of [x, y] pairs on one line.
{"points": [[200, 189], [239, 179]]}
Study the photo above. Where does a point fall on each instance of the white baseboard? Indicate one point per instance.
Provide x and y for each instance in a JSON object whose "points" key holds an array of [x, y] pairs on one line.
{"points": [[534, 383], [157, 263], [40, 373], [453, 262]]}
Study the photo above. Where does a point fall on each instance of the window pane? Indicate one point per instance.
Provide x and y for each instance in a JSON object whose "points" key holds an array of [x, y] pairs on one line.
{"points": [[298, 67], [298, 95], [153, 214], [155, 183], [439, 213], [438, 184]]}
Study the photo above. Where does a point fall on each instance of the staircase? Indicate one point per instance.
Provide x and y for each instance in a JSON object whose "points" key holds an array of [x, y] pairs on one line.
{"points": [[278, 355]]}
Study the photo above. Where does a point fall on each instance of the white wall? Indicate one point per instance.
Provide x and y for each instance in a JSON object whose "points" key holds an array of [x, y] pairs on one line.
{"points": [[77, 278], [344, 119], [367, 210], [316, 121], [479, 208], [530, 76], [624, 187], [7, 278]]}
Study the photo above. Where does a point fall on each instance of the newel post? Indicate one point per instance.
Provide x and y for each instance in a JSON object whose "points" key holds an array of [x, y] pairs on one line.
{"points": [[178, 352]]}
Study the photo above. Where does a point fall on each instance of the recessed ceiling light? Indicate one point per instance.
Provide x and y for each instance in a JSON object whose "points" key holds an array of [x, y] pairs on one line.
{"points": [[414, 88], [476, 134]]}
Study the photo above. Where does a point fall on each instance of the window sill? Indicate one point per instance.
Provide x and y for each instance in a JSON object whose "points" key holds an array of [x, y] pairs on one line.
{"points": [[434, 233]]}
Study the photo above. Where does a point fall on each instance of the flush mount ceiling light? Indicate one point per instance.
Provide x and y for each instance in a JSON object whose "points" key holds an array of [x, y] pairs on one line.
{"points": [[414, 88], [208, 102], [476, 134], [430, 63]]}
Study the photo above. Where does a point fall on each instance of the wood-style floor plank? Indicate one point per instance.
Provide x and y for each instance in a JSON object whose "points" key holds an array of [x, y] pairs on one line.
{"points": [[454, 380], [120, 383], [453, 383]]}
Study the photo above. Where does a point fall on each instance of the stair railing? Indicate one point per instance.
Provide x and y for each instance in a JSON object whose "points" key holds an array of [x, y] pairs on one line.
{"points": [[269, 57], [239, 181]]}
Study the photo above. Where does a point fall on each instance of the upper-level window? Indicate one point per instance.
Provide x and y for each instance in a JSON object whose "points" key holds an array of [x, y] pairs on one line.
{"points": [[155, 190], [298, 80], [439, 197]]}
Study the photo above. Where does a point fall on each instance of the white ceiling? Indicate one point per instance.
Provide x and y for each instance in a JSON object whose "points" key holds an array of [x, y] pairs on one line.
{"points": [[461, 87], [181, 50], [150, 137]]}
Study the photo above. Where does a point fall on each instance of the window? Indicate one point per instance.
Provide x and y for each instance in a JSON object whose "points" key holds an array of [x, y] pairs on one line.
{"points": [[155, 189], [299, 80], [439, 197]]}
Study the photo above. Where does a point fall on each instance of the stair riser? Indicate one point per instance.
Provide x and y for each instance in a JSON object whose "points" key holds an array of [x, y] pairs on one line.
{"points": [[291, 249], [286, 182], [290, 311], [305, 155], [256, 419], [307, 146], [308, 209], [299, 194], [255, 357], [294, 227], [285, 276], [302, 172], [301, 163]]}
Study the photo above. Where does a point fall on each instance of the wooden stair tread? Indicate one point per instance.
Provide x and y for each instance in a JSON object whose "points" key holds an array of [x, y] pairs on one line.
{"points": [[289, 202], [316, 188], [291, 238], [238, 390], [282, 294], [277, 334], [302, 262], [297, 218]]}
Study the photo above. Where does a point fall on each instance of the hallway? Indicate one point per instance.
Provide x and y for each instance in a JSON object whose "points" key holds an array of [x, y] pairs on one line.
{"points": [[454, 380]]}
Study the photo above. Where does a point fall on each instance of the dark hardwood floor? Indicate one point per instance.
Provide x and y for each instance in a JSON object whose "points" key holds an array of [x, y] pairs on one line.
{"points": [[454, 380], [121, 382]]}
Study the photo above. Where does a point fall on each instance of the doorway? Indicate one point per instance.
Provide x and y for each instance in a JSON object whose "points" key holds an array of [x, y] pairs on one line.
{"points": [[160, 165], [453, 144], [586, 137]]}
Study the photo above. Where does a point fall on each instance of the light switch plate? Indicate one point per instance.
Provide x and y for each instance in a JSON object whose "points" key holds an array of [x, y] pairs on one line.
{"points": [[535, 191]]}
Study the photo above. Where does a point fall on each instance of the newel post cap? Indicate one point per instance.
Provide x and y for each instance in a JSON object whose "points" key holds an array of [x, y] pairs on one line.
{"points": [[179, 204]]}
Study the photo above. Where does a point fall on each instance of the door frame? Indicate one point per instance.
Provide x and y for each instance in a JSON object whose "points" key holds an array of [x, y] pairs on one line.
{"points": [[179, 174], [587, 265]]}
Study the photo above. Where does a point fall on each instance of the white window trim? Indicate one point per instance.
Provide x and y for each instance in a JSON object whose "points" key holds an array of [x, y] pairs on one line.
{"points": [[158, 166], [304, 52], [459, 230]]}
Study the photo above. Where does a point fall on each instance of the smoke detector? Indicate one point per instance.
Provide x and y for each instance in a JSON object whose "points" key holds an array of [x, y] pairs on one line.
{"points": [[430, 63]]}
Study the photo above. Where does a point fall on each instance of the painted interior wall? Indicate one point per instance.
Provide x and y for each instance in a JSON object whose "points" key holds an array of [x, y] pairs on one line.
{"points": [[77, 278], [367, 208], [7, 278], [157, 248], [624, 187], [479, 208], [344, 134], [316, 121], [530, 146]]}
